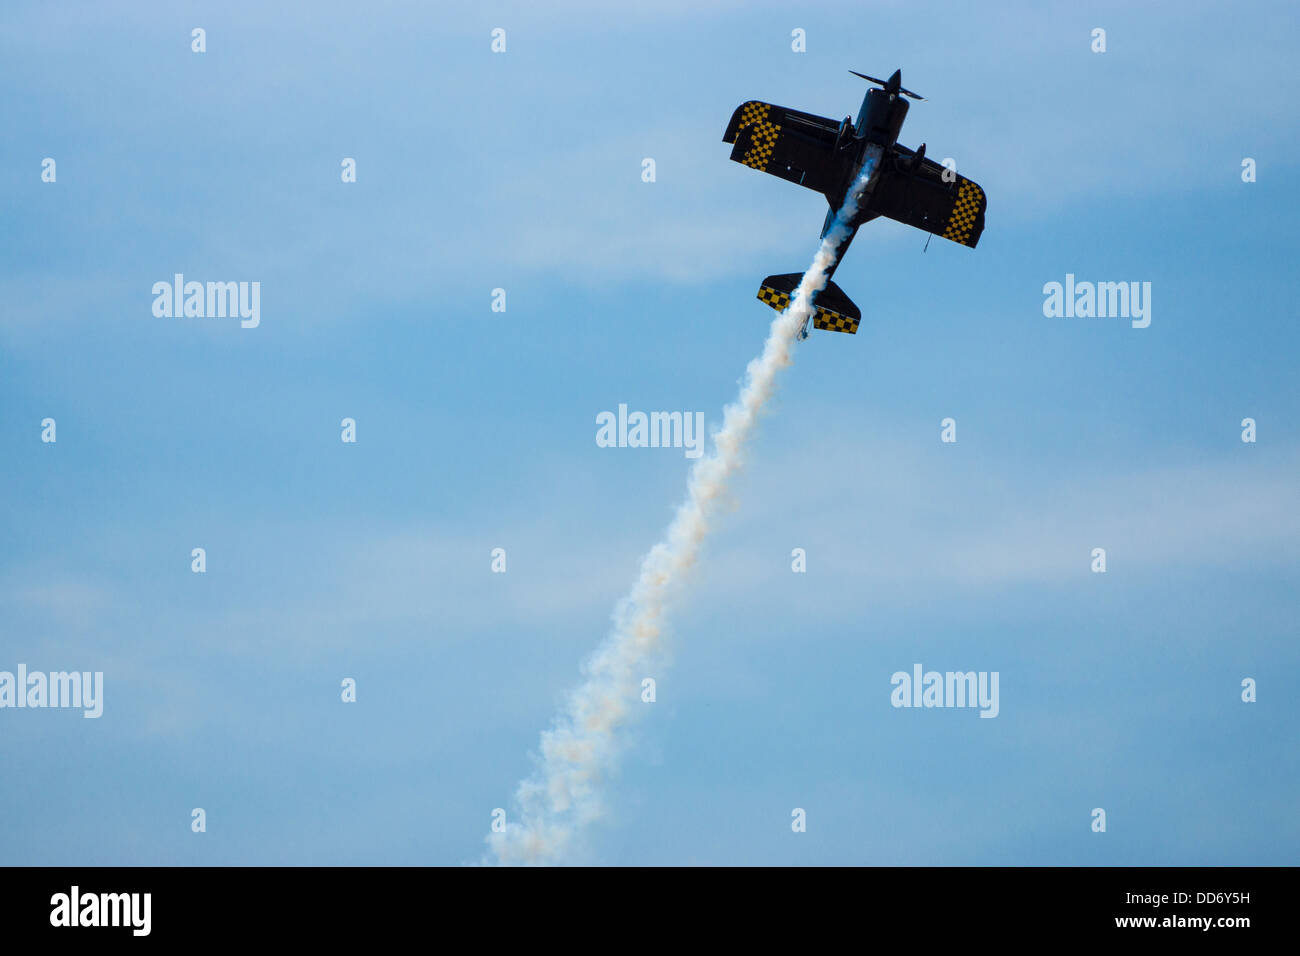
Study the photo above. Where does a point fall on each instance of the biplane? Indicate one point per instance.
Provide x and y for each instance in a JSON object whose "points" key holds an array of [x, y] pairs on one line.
{"points": [[828, 156]]}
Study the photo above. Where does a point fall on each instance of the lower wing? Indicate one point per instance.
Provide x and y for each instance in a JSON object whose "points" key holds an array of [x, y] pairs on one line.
{"points": [[931, 197]]}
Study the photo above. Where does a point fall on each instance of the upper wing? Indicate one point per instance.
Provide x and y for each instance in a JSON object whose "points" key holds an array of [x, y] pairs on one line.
{"points": [[921, 198], [798, 147]]}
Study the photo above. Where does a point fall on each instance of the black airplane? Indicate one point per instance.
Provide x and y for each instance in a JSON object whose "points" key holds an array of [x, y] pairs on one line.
{"points": [[826, 156]]}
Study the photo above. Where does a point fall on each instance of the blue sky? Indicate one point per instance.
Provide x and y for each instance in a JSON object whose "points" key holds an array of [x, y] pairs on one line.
{"points": [[477, 430]]}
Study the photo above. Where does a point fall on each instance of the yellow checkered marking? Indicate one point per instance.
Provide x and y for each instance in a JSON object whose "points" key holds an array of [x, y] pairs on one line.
{"points": [[834, 322], [762, 139], [777, 300], [822, 319], [970, 200]]}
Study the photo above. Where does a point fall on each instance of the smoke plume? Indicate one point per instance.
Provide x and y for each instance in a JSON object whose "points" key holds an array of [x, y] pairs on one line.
{"points": [[563, 795]]}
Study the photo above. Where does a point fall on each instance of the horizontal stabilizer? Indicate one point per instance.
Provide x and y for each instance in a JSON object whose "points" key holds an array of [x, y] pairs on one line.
{"points": [[833, 311]]}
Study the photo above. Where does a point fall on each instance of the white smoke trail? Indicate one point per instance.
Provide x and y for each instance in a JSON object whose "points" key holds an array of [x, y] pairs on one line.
{"points": [[581, 747]]}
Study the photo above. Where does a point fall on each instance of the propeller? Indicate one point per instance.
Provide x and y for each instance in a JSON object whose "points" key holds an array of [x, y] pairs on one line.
{"points": [[892, 85]]}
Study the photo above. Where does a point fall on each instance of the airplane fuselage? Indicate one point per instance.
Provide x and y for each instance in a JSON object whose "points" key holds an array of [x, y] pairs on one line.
{"points": [[879, 122], [881, 118]]}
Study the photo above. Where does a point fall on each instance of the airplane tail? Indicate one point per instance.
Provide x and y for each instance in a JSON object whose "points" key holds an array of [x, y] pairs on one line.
{"points": [[834, 311]]}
